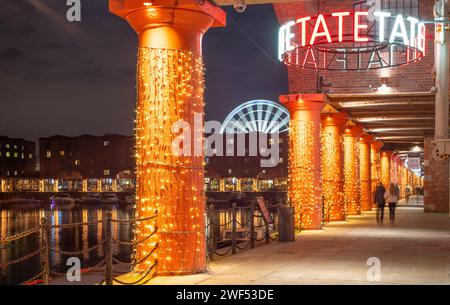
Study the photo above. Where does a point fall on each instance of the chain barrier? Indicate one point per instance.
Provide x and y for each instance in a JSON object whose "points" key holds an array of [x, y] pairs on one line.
{"points": [[138, 282], [20, 235], [46, 248], [21, 259], [238, 243]]}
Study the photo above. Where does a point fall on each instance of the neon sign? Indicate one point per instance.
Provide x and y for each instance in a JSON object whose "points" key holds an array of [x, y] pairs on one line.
{"points": [[356, 40]]}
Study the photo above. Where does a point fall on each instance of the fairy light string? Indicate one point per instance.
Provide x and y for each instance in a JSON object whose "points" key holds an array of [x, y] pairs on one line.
{"points": [[170, 88]]}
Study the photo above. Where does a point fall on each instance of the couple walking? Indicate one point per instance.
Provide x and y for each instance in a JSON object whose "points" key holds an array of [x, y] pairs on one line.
{"points": [[383, 196]]}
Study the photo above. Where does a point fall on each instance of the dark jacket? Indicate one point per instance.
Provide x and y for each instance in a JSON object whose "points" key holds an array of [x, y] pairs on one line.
{"points": [[379, 195]]}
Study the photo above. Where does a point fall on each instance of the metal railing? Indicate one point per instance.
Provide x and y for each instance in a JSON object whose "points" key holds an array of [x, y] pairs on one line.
{"points": [[244, 234], [45, 249]]}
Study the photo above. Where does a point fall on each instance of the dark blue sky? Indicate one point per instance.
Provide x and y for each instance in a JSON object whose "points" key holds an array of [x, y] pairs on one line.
{"points": [[67, 78]]}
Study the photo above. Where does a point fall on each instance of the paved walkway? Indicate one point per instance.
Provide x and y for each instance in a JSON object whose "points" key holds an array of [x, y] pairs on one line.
{"points": [[413, 201], [414, 251]]}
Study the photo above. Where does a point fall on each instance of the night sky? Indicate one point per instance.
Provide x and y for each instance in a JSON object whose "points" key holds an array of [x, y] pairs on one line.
{"points": [[79, 78]]}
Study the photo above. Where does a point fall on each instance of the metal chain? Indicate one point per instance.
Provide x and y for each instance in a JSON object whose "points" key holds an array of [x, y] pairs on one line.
{"points": [[76, 224], [146, 273], [84, 270], [133, 243], [20, 235], [81, 252], [222, 254], [21, 259], [134, 220], [138, 262], [33, 278]]}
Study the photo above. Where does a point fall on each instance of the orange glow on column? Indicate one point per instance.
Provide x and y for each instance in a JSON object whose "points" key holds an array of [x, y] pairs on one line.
{"points": [[333, 165], [365, 172], [386, 168], [305, 185], [352, 188], [170, 88], [375, 161]]}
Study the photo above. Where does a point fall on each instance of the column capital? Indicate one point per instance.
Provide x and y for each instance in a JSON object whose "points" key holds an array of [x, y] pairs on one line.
{"points": [[376, 145], [366, 139], [335, 119], [163, 11], [169, 24], [296, 102], [354, 131], [387, 153]]}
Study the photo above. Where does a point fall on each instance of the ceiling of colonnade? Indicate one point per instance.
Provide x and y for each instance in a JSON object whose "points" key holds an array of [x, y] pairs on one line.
{"points": [[400, 120]]}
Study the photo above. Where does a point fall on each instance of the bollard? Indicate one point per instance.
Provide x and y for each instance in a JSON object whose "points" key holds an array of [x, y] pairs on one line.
{"points": [[45, 251], [212, 235], [252, 226], [267, 233], [108, 250], [233, 232]]}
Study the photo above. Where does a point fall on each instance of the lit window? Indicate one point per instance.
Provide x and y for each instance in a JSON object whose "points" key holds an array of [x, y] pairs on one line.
{"points": [[7, 146], [15, 146], [7, 173], [16, 155], [230, 171], [30, 156], [15, 173], [280, 141], [22, 155], [48, 154], [106, 143], [281, 160], [77, 162], [62, 153], [23, 148], [106, 172], [8, 154], [0, 153]]}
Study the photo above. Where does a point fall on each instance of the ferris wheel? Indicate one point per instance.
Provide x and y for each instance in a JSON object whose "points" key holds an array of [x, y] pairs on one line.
{"points": [[257, 116]]}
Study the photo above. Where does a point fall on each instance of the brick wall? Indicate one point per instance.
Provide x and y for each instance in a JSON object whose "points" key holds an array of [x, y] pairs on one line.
{"points": [[412, 77], [436, 181]]}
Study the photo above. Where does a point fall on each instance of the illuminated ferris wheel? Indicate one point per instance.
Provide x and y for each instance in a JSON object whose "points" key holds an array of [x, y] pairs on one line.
{"points": [[257, 115]]}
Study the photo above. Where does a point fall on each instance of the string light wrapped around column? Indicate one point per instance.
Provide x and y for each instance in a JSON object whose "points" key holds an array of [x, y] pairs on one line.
{"points": [[375, 161], [170, 89], [365, 171], [386, 168], [305, 187], [333, 165], [352, 187], [168, 184]]}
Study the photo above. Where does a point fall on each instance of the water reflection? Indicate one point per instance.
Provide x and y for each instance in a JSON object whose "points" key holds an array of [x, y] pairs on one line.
{"points": [[77, 239]]}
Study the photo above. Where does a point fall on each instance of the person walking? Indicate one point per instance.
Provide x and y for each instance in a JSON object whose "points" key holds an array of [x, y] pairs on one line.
{"points": [[379, 201], [391, 197]]}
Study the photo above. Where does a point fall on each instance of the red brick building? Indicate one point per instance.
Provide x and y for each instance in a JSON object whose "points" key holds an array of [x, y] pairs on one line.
{"points": [[86, 156], [247, 166], [17, 158]]}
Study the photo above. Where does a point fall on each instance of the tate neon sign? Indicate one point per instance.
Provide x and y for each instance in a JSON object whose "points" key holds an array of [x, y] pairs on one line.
{"points": [[352, 41]]}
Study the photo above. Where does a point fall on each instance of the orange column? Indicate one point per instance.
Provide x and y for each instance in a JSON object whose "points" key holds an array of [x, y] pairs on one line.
{"points": [[365, 172], [352, 188], [305, 185], [333, 165], [386, 168], [375, 161], [169, 89]]}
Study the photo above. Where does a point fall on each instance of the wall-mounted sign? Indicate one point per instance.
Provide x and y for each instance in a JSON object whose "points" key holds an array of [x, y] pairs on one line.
{"points": [[414, 164], [352, 40]]}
